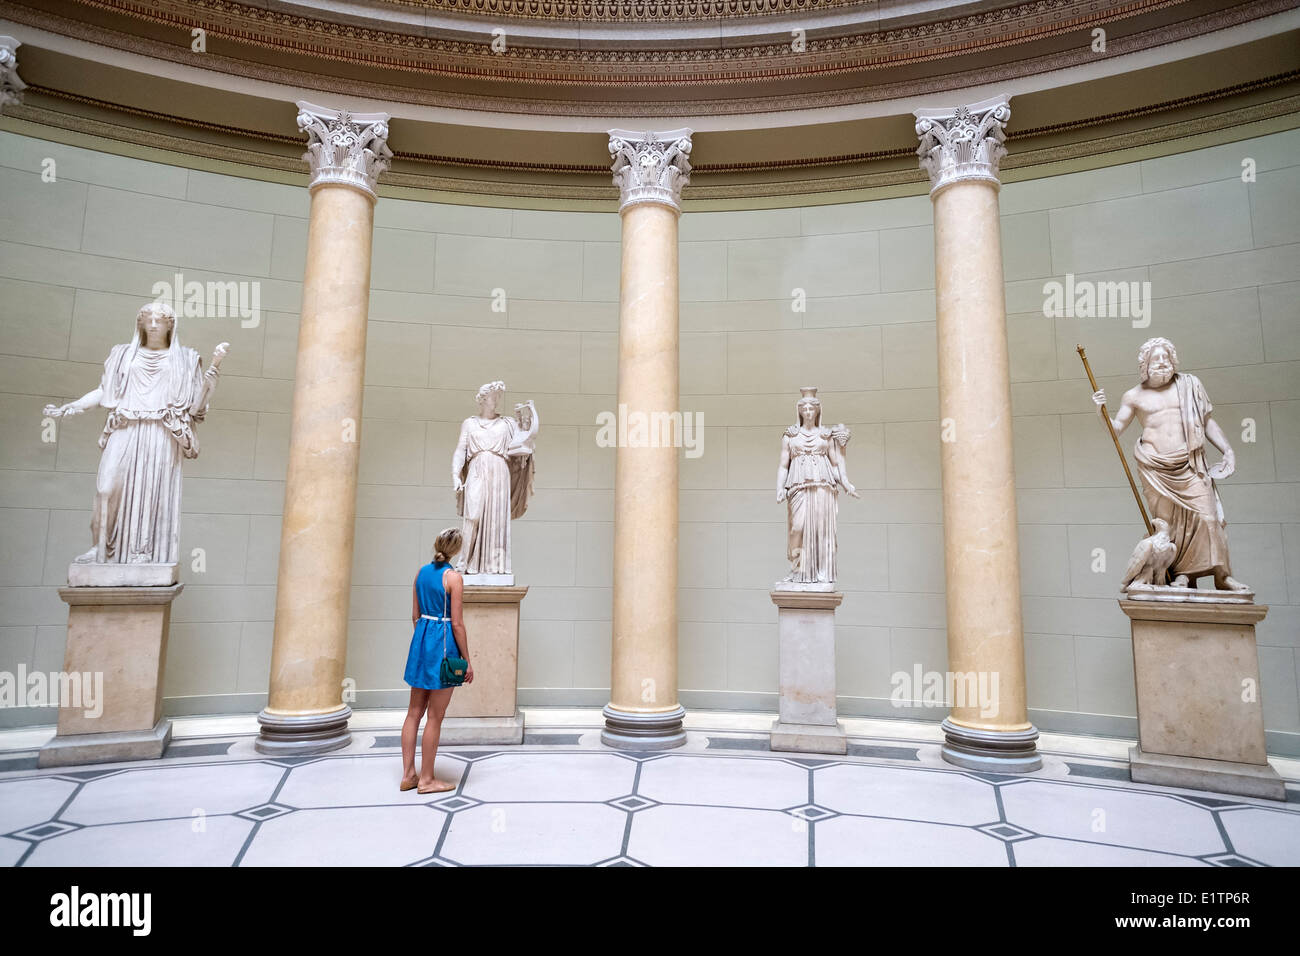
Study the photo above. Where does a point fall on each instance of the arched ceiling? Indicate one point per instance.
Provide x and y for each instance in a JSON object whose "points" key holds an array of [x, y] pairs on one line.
{"points": [[511, 98]]}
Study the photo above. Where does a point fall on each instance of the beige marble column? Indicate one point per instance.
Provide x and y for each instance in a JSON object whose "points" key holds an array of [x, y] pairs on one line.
{"points": [[650, 170], [988, 727], [305, 712]]}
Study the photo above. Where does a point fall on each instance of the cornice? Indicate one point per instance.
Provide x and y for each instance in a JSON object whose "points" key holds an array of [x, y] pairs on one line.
{"points": [[672, 104], [639, 11], [864, 49], [1021, 162]]}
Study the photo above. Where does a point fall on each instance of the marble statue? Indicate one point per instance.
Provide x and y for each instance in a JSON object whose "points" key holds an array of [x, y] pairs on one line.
{"points": [[813, 469], [492, 472], [1151, 559], [1174, 411], [156, 390]]}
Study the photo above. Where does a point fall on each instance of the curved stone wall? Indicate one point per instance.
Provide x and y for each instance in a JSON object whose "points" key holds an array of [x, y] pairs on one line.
{"points": [[839, 296]]}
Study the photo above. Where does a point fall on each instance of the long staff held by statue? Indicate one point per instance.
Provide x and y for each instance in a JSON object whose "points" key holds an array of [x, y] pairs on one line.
{"points": [[1105, 414]]}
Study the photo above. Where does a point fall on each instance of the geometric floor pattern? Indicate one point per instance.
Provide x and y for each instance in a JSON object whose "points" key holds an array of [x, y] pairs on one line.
{"points": [[726, 801]]}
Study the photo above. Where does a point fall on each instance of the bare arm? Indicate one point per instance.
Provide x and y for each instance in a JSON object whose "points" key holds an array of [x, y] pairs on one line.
{"points": [[458, 459], [840, 461], [415, 602], [455, 585], [1126, 410], [1220, 441], [784, 468], [87, 401]]}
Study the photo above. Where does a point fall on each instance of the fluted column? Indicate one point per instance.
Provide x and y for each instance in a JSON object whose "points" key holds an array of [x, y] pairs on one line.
{"points": [[988, 727], [11, 87], [305, 712], [650, 170]]}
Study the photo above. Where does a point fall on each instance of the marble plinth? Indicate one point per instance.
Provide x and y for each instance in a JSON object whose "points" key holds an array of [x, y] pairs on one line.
{"points": [[1200, 718], [807, 720], [1164, 593], [120, 634], [492, 623], [488, 580], [121, 575]]}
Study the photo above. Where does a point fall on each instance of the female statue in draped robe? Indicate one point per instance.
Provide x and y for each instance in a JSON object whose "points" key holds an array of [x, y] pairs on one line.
{"points": [[492, 472], [813, 469], [155, 390]]}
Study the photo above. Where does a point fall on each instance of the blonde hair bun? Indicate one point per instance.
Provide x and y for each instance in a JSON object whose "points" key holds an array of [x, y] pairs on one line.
{"points": [[447, 545]]}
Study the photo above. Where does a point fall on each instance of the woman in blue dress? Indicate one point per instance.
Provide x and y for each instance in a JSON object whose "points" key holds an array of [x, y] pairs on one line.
{"points": [[439, 632]]}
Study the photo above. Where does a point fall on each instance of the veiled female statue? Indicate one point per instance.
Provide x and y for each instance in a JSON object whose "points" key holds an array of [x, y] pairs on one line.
{"points": [[155, 391], [813, 469], [492, 472]]}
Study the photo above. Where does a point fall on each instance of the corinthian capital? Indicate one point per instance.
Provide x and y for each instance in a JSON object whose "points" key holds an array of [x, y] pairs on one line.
{"points": [[346, 148], [11, 87], [651, 167], [963, 143]]}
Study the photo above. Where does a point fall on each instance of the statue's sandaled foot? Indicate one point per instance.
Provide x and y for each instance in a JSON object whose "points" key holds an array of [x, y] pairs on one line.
{"points": [[87, 558], [1180, 582], [1229, 583]]}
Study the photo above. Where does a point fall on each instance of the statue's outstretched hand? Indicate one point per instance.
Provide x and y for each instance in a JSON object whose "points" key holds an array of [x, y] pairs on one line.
{"points": [[59, 411], [851, 490], [1099, 397], [218, 354], [1226, 466]]}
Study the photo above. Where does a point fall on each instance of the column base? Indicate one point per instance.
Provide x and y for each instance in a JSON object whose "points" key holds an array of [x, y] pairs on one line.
{"points": [[992, 751], [629, 731], [457, 731], [73, 749], [297, 735], [809, 738], [1197, 773]]}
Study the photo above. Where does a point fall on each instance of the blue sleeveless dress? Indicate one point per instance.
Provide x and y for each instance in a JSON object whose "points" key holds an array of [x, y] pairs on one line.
{"points": [[433, 639]]}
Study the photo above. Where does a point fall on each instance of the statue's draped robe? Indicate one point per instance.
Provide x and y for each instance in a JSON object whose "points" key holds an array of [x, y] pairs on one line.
{"points": [[811, 506], [496, 490], [1179, 488], [150, 397]]}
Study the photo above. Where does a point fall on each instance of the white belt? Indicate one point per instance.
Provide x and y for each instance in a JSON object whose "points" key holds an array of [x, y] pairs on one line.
{"points": [[429, 617]]}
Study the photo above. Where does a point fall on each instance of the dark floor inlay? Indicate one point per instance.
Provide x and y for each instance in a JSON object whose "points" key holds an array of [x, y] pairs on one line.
{"points": [[18, 763], [557, 739], [91, 774], [809, 762], [199, 750], [738, 743], [394, 741], [1211, 802], [888, 753], [1096, 772]]}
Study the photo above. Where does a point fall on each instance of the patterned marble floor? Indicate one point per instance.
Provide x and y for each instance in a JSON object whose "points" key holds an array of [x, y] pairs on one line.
{"points": [[564, 799]]}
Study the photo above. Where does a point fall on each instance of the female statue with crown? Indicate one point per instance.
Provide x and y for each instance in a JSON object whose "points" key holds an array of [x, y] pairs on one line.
{"points": [[813, 469]]}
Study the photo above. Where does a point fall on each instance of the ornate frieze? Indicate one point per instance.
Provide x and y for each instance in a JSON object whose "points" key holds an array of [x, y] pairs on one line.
{"points": [[346, 148], [963, 143], [650, 167]]}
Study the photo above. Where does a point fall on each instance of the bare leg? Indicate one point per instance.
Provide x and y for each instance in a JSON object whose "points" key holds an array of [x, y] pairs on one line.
{"points": [[438, 701], [410, 726]]}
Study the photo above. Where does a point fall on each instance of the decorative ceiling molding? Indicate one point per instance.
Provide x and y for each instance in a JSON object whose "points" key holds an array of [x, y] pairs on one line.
{"points": [[587, 96], [1023, 157], [639, 11]]}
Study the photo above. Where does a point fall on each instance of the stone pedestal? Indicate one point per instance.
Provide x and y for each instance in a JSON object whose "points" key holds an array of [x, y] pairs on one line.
{"points": [[807, 721], [1200, 718], [117, 641], [486, 711]]}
